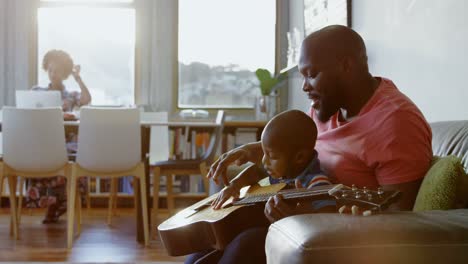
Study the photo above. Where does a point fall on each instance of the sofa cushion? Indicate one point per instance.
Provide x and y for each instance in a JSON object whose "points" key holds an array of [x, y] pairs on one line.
{"points": [[444, 187], [451, 138], [396, 237]]}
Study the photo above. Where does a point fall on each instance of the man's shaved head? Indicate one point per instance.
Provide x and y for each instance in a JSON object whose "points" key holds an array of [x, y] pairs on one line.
{"points": [[336, 42], [291, 131], [333, 62]]}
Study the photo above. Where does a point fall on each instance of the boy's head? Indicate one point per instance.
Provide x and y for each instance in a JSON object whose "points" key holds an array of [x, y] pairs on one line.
{"points": [[58, 65], [288, 142]]}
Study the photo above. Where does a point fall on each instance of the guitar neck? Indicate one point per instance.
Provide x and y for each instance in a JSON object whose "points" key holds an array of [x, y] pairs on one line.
{"points": [[316, 193]]}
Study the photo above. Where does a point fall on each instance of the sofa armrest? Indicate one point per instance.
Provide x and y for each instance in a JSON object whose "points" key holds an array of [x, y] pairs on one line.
{"points": [[398, 237]]}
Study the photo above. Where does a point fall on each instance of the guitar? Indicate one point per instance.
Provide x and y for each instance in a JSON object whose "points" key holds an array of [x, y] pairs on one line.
{"points": [[199, 227]]}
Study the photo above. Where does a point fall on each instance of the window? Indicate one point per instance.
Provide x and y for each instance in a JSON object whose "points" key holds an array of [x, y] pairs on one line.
{"points": [[99, 36], [221, 44]]}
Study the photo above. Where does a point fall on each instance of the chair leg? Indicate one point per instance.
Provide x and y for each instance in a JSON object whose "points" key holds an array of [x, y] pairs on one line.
{"points": [[14, 219], [1, 182], [206, 182], [88, 197], [20, 199], [114, 208], [144, 202], [88, 202], [78, 206], [112, 198], [170, 194], [156, 181], [14, 183], [71, 206]]}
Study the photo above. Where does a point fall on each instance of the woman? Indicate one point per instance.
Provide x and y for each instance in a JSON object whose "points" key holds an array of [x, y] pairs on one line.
{"points": [[50, 192]]}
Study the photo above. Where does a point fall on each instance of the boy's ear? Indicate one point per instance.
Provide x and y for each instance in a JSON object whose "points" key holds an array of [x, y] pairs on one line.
{"points": [[301, 156]]}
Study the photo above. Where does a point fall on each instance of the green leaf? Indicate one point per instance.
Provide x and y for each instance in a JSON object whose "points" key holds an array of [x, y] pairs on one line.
{"points": [[267, 81]]}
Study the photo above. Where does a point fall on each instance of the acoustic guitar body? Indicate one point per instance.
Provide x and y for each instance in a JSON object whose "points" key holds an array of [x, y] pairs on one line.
{"points": [[199, 227]]}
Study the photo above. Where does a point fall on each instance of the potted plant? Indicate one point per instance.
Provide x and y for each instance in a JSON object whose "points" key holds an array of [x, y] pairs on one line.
{"points": [[269, 83]]}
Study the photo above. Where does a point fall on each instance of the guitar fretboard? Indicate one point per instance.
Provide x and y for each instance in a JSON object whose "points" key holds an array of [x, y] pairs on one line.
{"points": [[297, 194]]}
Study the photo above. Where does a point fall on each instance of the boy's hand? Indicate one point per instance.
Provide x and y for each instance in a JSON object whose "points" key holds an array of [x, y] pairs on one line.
{"points": [[276, 208], [224, 195]]}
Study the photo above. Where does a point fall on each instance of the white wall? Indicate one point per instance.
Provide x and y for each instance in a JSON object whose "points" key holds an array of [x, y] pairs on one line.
{"points": [[422, 45]]}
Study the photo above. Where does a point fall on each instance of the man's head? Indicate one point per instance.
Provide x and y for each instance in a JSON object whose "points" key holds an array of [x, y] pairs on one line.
{"points": [[58, 65], [288, 142], [331, 60]]}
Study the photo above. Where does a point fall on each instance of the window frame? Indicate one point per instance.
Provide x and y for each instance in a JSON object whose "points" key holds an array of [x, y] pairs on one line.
{"points": [[34, 59], [235, 110]]}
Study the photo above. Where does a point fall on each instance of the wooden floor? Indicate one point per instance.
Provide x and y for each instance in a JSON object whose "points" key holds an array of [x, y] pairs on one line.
{"points": [[97, 243]]}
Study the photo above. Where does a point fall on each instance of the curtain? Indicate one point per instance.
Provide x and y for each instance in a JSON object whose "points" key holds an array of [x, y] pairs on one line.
{"points": [[17, 43], [156, 53]]}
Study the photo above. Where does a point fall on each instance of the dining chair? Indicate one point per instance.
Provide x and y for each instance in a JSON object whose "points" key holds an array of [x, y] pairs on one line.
{"points": [[109, 146], [1, 165], [186, 167], [34, 147], [158, 151]]}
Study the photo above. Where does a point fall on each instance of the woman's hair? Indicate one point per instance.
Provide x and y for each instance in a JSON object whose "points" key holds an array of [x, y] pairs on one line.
{"points": [[61, 58]]}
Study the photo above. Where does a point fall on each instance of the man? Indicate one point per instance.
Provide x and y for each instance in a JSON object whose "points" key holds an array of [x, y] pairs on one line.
{"points": [[369, 133]]}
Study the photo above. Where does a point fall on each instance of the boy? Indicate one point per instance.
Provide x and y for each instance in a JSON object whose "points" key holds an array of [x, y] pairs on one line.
{"points": [[288, 142]]}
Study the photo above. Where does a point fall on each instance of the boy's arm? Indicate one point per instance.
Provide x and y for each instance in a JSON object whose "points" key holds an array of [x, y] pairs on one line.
{"points": [[248, 176]]}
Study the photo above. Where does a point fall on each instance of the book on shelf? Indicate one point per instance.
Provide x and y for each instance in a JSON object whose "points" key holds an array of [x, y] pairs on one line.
{"points": [[92, 182], [127, 185], [104, 186], [244, 136]]}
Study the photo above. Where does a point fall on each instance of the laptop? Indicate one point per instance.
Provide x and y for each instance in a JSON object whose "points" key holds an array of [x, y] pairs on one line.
{"points": [[38, 99]]}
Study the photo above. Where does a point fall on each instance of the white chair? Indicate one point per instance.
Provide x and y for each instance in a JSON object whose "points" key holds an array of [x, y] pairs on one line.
{"points": [[109, 145], [158, 151], [34, 147], [1, 163], [1, 144]]}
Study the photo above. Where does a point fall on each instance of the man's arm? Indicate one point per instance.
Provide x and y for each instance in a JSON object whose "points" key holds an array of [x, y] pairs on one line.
{"points": [[409, 192], [249, 152], [403, 155], [248, 176]]}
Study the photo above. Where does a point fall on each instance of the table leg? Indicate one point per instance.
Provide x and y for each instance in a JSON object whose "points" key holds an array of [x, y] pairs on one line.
{"points": [[145, 142]]}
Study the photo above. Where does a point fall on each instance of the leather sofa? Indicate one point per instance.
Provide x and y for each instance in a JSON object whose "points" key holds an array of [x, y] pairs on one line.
{"points": [[393, 237]]}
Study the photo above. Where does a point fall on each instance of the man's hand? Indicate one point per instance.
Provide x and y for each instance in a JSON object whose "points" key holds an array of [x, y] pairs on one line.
{"points": [[218, 169], [409, 191], [276, 208], [224, 195]]}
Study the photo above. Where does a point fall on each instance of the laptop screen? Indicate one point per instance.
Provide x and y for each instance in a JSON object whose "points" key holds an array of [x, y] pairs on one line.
{"points": [[38, 99]]}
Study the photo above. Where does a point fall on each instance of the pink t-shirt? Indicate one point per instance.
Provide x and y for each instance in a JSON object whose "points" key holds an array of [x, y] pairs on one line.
{"points": [[388, 142]]}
